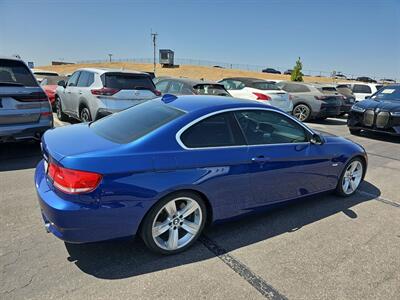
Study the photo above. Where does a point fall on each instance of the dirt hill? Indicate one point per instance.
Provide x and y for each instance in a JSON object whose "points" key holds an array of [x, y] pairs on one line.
{"points": [[189, 71]]}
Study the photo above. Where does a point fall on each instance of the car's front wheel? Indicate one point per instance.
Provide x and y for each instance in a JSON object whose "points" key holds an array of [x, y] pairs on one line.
{"points": [[174, 223], [302, 112], [350, 178]]}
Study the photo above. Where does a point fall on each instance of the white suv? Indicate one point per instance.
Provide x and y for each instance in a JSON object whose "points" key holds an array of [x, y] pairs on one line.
{"points": [[90, 94], [363, 89]]}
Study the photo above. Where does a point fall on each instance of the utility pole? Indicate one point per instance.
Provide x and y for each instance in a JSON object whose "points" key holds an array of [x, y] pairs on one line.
{"points": [[154, 38], [110, 56]]}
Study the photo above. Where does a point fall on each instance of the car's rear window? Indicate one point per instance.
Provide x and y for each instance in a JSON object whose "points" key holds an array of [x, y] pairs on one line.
{"points": [[14, 72], [135, 122], [265, 85], [211, 89], [46, 74], [124, 81]]}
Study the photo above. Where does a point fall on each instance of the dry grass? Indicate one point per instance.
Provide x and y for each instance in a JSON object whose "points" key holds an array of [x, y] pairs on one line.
{"points": [[189, 71]]}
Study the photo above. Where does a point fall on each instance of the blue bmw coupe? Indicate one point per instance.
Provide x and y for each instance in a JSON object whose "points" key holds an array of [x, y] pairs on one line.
{"points": [[166, 168]]}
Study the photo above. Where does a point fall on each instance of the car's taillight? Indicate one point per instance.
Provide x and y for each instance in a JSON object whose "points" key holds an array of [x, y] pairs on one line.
{"points": [[291, 97], [46, 114], [157, 93], [262, 97], [73, 181], [320, 97], [104, 91]]}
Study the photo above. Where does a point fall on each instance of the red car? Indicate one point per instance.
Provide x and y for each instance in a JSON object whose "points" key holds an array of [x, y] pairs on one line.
{"points": [[50, 84]]}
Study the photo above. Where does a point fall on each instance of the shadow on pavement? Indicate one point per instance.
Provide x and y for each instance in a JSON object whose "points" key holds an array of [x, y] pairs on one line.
{"points": [[380, 137], [19, 155], [127, 258], [330, 121]]}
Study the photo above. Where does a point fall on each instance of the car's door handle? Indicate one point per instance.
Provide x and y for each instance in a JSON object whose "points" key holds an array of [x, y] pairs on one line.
{"points": [[260, 159], [80, 93]]}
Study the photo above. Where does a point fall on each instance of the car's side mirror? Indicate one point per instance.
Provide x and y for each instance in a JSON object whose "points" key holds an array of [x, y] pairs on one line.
{"points": [[367, 97], [62, 83], [316, 139]]}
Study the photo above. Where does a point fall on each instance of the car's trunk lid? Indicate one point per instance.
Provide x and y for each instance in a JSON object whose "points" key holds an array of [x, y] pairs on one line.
{"points": [[73, 140], [21, 105]]}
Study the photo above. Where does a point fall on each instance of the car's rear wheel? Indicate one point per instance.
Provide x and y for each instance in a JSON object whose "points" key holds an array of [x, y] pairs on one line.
{"points": [[174, 223], [302, 112], [351, 178], [60, 114], [85, 115]]}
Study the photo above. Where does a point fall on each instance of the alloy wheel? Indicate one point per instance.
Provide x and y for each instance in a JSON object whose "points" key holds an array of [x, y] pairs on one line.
{"points": [[352, 177], [85, 115], [58, 109], [177, 223], [301, 112]]}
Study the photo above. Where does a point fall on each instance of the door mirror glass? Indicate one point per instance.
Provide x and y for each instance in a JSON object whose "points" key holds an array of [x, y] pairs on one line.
{"points": [[316, 139], [61, 83]]}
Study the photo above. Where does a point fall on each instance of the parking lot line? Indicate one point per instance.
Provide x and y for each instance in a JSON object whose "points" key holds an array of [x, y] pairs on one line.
{"points": [[380, 199], [254, 280]]}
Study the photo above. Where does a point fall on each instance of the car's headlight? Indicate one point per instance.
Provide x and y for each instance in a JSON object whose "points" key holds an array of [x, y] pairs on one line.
{"points": [[395, 113], [357, 108]]}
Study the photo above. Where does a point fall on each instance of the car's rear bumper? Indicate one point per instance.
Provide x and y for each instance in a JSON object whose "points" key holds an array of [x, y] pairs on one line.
{"points": [[327, 111], [18, 132], [83, 221]]}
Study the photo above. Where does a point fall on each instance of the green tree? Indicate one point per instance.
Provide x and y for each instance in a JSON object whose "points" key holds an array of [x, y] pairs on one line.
{"points": [[297, 75]]}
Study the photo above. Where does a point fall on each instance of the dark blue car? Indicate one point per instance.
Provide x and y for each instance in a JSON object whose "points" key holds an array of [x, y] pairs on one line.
{"points": [[166, 168]]}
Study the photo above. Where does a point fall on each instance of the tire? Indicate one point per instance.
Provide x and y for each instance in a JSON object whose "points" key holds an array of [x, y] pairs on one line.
{"points": [[353, 173], [355, 131], [60, 114], [84, 115], [302, 112], [175, 233]]}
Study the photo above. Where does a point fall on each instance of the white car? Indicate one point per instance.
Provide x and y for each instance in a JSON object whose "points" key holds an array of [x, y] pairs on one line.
{"points": [[363, 89], [259, 90], [40, 74]]}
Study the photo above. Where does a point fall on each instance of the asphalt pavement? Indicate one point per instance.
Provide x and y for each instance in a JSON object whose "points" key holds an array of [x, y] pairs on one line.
{"points": [[324, 247]]}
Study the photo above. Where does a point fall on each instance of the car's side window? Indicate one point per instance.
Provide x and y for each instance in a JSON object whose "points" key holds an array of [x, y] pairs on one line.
{"points": [[295, 88], [233, 84], [83, 79], [162, 86], [267, 127], [175, 87], [72, 81], [216, 131], [186, 90]]}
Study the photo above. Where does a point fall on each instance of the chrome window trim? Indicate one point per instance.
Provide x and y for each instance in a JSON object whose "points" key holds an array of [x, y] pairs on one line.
{"points": [[187, 126]]}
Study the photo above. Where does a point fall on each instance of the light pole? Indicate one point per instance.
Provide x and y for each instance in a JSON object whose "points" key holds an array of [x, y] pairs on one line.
{"points": [[154, 38]]}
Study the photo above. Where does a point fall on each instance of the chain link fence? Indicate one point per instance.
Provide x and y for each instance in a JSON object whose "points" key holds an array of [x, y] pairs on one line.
{"points": [[245, 67]]}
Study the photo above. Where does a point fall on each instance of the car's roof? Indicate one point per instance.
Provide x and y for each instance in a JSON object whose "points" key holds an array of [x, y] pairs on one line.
{"points": [[191, 81], [43, 71], [109, 70], [10, 58], [190, 103]]}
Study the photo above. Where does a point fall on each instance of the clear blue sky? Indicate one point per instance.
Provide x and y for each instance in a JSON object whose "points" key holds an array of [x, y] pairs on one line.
{"points": [[352, 36]]}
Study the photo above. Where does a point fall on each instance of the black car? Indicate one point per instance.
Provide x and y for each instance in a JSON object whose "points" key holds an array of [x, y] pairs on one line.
{"points": [[366, 79], [271, 71], [348, 98], [187, 86], [288, 72], [380, 113]]}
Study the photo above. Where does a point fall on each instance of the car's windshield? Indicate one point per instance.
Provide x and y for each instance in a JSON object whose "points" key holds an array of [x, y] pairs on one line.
{"points": [[265, 85], [210, 89], [135, 122], [389, 93], [14, 72]]}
